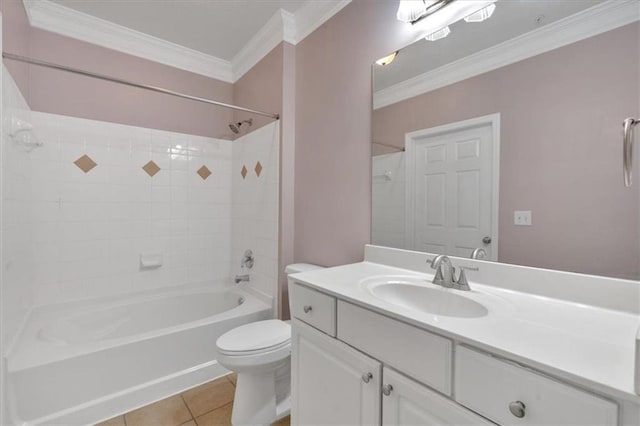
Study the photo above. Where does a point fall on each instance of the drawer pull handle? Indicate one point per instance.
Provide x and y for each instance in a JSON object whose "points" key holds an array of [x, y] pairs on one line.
{"points": [[517, 409], [307, 309], [366, 377], [386, 389]]}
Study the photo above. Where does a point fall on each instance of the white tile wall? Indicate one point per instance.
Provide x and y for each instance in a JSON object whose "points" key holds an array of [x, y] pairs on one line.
{"points": [[17, 260], [89, 229], [255, 206], [388, 205]]}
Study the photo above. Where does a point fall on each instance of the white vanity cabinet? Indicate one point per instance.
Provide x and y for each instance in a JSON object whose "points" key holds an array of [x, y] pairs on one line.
{"points": [[406, 402], [364, 368], [333, 384]]}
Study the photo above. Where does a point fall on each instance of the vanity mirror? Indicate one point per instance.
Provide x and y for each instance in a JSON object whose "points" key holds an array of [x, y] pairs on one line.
{"points": [[506, 135]]}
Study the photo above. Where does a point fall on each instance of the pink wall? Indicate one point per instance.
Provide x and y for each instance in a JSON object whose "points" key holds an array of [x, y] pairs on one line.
{"points": [[67, 94], [333, 129], [261, 88], [561, 115]]}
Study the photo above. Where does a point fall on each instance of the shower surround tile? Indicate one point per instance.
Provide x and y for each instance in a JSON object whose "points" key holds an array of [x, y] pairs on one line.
{"points": [[255, 205], [89, 229], [85, 163], [151, 168], [204, 172]]}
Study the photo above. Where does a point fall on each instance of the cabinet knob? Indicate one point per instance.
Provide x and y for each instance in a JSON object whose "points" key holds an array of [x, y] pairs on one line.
{"points": [[366, 377], [386, 389], [307, 309], [517, 408]]}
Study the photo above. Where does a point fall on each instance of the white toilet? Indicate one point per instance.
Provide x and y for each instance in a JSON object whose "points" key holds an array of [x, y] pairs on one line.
{"points": [[260, 353]]}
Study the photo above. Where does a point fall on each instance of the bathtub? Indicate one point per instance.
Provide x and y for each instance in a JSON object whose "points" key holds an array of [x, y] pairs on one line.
{"points": [[82, 363]]}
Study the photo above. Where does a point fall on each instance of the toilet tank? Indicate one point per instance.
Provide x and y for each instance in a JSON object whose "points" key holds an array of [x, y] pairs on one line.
{"points": [[299, 267]]}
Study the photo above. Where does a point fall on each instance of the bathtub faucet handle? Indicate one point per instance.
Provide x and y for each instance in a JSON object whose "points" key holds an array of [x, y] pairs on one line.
{"points": [[247, 259], [241, 278]]}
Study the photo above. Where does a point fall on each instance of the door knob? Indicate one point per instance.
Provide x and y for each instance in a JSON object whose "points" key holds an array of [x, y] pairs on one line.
{"points": [[307, 309], [366, 377], [517, 409], [386, 389], [486, 240]]}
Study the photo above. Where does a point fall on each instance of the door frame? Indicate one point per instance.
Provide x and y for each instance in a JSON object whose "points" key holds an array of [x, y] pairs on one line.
{"points": [[410, 140]]}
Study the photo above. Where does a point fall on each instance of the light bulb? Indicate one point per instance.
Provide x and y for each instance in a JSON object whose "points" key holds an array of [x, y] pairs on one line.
{"points": [[387, 59], [441, 33], [482, 14]]}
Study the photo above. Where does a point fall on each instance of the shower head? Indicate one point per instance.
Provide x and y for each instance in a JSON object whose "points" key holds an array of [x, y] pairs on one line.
{"points": [[235, 128]]}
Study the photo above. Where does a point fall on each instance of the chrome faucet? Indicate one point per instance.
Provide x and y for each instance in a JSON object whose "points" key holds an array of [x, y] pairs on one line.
{"points": [[247, 259], [241, 278], [444, 270], [478, 253], [445, 275]]}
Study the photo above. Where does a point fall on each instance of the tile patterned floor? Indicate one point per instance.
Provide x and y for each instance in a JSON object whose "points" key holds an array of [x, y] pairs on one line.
{"points": [[209, 404]]}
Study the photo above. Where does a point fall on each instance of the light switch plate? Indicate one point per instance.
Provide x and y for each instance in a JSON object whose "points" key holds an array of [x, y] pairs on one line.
{"points": [[522, 217]]}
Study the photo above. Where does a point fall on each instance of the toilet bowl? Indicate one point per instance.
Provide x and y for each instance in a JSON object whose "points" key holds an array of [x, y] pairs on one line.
{"points": [[260, 354]]}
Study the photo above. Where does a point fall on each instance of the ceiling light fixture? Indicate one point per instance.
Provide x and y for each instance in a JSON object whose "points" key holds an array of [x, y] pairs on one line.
{"points": [[441, 33], [387, 59], [412, 11], [482, 14]]}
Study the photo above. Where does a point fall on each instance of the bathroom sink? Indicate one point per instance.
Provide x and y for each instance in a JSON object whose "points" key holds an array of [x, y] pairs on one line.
{"points": [[419, 294]]}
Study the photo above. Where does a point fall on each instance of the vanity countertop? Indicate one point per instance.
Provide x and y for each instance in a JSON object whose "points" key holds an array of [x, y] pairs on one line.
{"points": [[587, 345]]}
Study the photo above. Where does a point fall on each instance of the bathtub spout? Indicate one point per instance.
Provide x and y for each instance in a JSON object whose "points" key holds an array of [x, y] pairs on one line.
{"points": [[241, 278]]}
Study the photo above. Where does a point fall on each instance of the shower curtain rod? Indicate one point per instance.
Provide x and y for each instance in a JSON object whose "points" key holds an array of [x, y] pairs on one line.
{"points": [[399, 148], [37, 62]]}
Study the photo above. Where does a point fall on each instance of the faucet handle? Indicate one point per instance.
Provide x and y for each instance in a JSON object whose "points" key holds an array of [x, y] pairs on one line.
{"points": [[462, 282]]}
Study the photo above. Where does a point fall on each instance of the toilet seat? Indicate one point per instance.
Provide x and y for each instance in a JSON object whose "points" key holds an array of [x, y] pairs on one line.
{"points": [[261, 337]]}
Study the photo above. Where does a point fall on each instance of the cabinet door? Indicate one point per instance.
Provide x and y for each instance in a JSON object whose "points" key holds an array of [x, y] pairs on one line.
{"points": [[332, 383], [409, 403]]}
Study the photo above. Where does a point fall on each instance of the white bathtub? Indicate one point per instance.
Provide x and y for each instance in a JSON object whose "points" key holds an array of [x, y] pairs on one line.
{"points": [[85, 362]]}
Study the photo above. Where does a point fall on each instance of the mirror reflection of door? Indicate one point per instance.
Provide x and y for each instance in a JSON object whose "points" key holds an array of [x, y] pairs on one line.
{"points": [[452, 188]]}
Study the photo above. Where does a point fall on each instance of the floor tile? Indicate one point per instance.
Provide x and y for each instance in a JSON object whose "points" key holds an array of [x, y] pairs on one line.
{"points": [[167, 412], [116, 421], [285, 421], [189, 423], [233, 378], [217, 417], [209, 396]]}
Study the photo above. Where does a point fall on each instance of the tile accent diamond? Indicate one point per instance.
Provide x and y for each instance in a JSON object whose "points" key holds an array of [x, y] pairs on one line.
{"points": [[244, 172], [151, 168], [258, 169], [204, 172], [85, 163]]}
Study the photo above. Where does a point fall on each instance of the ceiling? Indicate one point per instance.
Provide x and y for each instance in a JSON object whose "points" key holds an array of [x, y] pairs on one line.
{"points": [[510, 19], [219, 28]]}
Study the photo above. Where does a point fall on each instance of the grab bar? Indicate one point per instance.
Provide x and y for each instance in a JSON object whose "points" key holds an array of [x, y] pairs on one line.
{"points": [[627, 148]]}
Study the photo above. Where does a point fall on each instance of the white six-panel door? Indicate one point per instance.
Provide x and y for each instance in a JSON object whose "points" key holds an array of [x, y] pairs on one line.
{"points": [[452, 188]]}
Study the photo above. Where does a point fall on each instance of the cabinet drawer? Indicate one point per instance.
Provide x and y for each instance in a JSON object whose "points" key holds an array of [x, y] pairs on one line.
{"points": [[314, 308], [415, 352], [489, 385]]}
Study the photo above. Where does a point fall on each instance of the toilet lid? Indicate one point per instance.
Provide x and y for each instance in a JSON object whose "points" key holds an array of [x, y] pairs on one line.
{"points": [[255, 336]]}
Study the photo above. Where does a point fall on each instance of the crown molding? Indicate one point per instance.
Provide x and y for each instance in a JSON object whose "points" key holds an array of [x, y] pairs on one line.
{"points": [[50, 16], [590, 22], [283, 26]]}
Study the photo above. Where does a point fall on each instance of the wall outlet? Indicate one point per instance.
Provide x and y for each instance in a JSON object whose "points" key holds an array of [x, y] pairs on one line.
{"points": [[522, 217]]}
